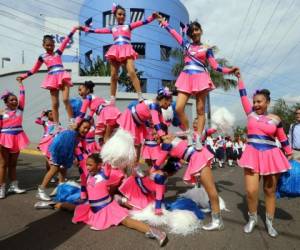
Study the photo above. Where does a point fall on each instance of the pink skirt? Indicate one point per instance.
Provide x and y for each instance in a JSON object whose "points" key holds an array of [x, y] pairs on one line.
{"points": [[121, 53], [271, 161], [150, 153], [194, 83], [111, 215], [198, 161], [56, 82], [133, 192], [116, 176], [108, 116], [127, 123], [44, 145], [14, 142]]}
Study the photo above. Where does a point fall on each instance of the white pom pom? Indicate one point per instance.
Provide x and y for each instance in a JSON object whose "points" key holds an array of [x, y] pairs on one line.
{"points": [[119, 150], [168, 113], [183, 222], [223, 120], [198, 195]]}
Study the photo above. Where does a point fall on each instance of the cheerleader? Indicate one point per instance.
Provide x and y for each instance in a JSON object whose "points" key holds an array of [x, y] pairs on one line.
{"points": [[57, 79], [262, 158], [62, 150], [194, 79], [100, 211], [198, 169], [12, 139], [229, 151], [121, 52], [107, 115], [220, 151]]}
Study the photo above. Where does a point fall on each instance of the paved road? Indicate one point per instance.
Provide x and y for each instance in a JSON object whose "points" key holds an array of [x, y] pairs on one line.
{"points": [[22, 227]]}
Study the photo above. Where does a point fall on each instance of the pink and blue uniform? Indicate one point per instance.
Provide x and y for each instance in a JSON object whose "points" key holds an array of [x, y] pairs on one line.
{"points": [[100, 211], [92, 145], [151, 148], [57, 76], [179, 148], [121, 50], [261, 154], [12, 135], [136, 116], [46, 140], [195, 77]]}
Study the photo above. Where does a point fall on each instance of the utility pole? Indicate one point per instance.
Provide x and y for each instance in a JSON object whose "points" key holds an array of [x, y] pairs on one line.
{"points": [[23, 57]]}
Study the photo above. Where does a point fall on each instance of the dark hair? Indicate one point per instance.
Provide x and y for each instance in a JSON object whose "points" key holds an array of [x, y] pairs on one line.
{"points": [[96, 158], [172, 165], [162, 93], [191, 27], [119, 7], [265, 92], [5, 97], [48, 37], [81, 122], [47, 112], [89, 85]]}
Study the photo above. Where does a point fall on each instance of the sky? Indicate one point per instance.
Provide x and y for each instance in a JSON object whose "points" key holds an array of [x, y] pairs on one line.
{"points": [[260, 37]]}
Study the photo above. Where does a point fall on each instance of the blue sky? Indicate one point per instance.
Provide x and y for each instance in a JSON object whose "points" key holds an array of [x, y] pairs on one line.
{"points": [[261, 37]]}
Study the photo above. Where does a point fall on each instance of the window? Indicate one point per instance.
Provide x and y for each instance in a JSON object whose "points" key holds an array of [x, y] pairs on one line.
{"points": [[182, 28], [140, 48], [165, 53], [88, 58], [136, 15], [108, 19], [88, 22], [105, 49], [143, 84], [167, 17]]}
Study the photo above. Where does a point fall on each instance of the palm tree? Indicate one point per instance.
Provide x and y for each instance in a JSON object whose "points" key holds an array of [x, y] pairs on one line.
{"points": [[218, 78], [98, 67], [125, 81]]}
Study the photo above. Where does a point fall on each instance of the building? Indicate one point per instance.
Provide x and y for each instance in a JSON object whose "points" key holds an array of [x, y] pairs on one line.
{"points": [[152, 43]]}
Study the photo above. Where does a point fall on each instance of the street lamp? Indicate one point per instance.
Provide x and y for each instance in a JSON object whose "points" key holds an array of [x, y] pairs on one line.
{"points": [[7, 59]]}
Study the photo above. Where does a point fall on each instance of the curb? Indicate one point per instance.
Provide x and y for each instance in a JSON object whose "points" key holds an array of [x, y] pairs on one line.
{"points": [[31, 152]]}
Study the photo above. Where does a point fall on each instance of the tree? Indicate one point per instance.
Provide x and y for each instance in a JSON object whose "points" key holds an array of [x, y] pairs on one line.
{"points": [[285, 112], [239, 132], [125, 81], [97, 68]]}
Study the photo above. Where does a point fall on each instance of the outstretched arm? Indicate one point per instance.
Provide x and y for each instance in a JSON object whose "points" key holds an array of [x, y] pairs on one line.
{"points": [[65, 42], [243, 94], [21, 96], [98, 31], [35, 69], [172, 31], [137, 24], [215, 65]]}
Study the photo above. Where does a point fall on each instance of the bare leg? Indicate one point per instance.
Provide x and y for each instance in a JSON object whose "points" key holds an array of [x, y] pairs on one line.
{"points": [[4, 156], [207, 180], [270, 184], [49, 175], [252, 186], [12, 166], [114, 72], [55, 105], [65, 94], [136, 225], [133, 77], [200, 102], [182, 99]]}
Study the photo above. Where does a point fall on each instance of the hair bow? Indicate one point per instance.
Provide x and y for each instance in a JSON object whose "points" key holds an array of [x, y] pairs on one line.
{"points": [[113, 8], [5, 94]]}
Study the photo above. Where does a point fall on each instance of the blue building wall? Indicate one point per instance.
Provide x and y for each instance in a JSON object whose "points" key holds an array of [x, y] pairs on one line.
{"points": [[155, 70]]}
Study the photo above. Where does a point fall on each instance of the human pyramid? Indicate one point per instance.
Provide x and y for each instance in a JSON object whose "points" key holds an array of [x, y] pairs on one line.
{"points": [[108, 144]]}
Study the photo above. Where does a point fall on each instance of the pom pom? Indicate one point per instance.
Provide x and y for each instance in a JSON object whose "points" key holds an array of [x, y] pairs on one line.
{"points": [[119, 150], [76, 104]]}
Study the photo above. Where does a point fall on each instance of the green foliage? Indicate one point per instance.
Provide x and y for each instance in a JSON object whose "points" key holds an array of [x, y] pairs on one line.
{"points": [[240, 132], [97, 68], [125, 81], [285, 112]]}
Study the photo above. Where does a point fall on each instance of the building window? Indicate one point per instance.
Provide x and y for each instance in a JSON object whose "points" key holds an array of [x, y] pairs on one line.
{"points": [[108, 19], [140, 48], [88, 58], [105, 49], [165, 53], [182, 28], [136, 15], [143, 84], [165, 16], [89, 22]]}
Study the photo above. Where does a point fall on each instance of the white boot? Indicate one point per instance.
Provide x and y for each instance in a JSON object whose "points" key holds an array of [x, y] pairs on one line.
{"points": [[271, 230], [216, 222], [248, 228], [2, 191], [14, 188], [157, 234], [189, 135], [42, 195], [198, 144]]}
